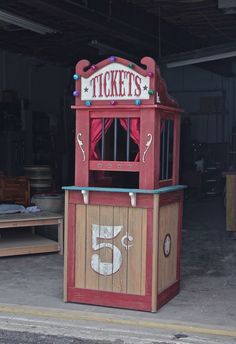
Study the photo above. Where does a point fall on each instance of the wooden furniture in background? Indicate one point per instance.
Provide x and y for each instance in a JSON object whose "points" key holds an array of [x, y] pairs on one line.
{"points": [[14, 190], [230, 201], [18, 243]]}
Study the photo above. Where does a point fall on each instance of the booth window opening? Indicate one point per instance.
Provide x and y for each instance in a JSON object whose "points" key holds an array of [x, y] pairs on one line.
{"points": [[115, 139], [166, 149]]}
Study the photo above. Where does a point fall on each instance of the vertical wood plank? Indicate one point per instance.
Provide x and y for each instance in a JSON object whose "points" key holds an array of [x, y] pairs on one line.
{"points": [[155, 252], [168, 224], [80, 246], [179, 238], [92, 277], [119, 283], [106, 219], [143, 252], [71, 245], [134, 253]]}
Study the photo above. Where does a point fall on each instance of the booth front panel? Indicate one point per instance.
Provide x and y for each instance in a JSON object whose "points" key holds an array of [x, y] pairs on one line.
{"points": [[122, 255]]}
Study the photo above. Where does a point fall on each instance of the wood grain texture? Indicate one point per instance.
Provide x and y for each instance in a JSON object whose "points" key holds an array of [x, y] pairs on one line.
{"points": [[119, 282], [230, 203], [12, 221], [80, 246], [106, 218], [134, 267], [179, 239], [131, 276], [92, 277], [143, 252], [168, 224], [71, 246], [26, 243], [155, 251]]}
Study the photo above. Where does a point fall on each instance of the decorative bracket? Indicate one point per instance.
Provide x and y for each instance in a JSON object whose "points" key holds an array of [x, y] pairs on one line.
{"points": [[132, 196], [85, 194], [81, 144], [148, 144]]}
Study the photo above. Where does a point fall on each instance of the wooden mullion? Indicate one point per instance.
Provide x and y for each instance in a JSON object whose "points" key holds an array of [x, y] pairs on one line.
{"points": [[176, 147]]}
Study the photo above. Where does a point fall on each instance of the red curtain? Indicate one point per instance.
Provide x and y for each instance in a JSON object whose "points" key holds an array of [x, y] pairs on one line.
{"points": [[134, 130], [96, 134]]}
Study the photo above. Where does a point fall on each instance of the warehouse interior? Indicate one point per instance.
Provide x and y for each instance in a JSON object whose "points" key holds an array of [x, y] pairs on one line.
{"points": [[194, 44]]}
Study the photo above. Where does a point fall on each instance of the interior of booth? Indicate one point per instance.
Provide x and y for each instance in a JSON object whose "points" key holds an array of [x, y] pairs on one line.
{"points": [[118, 140]]}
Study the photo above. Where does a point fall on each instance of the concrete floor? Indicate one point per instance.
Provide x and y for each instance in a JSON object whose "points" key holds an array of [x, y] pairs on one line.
{"points": [[208, 284]]}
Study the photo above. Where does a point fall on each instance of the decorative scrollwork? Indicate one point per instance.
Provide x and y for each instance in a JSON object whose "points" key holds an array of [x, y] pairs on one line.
{"points": [[148, 144], [81, 144]]}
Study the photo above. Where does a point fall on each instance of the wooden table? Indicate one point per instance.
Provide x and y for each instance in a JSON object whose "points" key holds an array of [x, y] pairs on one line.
{"points": [[230, 200], [28, 243]]}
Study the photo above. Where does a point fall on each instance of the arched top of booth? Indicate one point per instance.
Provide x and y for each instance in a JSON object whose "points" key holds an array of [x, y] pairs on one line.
{"points": [[117, 81]]}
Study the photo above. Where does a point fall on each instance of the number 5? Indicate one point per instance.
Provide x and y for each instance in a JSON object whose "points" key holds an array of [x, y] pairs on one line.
{"points": [[105, 232]]}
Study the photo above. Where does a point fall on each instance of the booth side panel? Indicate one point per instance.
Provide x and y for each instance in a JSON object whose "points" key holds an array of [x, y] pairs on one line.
{"points": [[168, 225], [169, 243], [180, 221]]}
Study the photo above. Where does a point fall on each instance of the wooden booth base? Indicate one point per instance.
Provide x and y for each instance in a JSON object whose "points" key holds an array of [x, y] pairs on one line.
{"points": [[121, 255]]}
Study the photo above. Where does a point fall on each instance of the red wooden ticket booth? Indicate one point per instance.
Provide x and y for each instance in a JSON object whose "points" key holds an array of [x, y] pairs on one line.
{"points": [[123, 215]]}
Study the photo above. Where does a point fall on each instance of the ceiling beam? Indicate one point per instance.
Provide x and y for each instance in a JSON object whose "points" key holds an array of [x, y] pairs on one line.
{"points": [[93, 20]]}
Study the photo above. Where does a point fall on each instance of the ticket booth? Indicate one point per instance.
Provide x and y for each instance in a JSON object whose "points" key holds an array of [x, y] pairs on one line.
{"points": [[123, 215]]}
